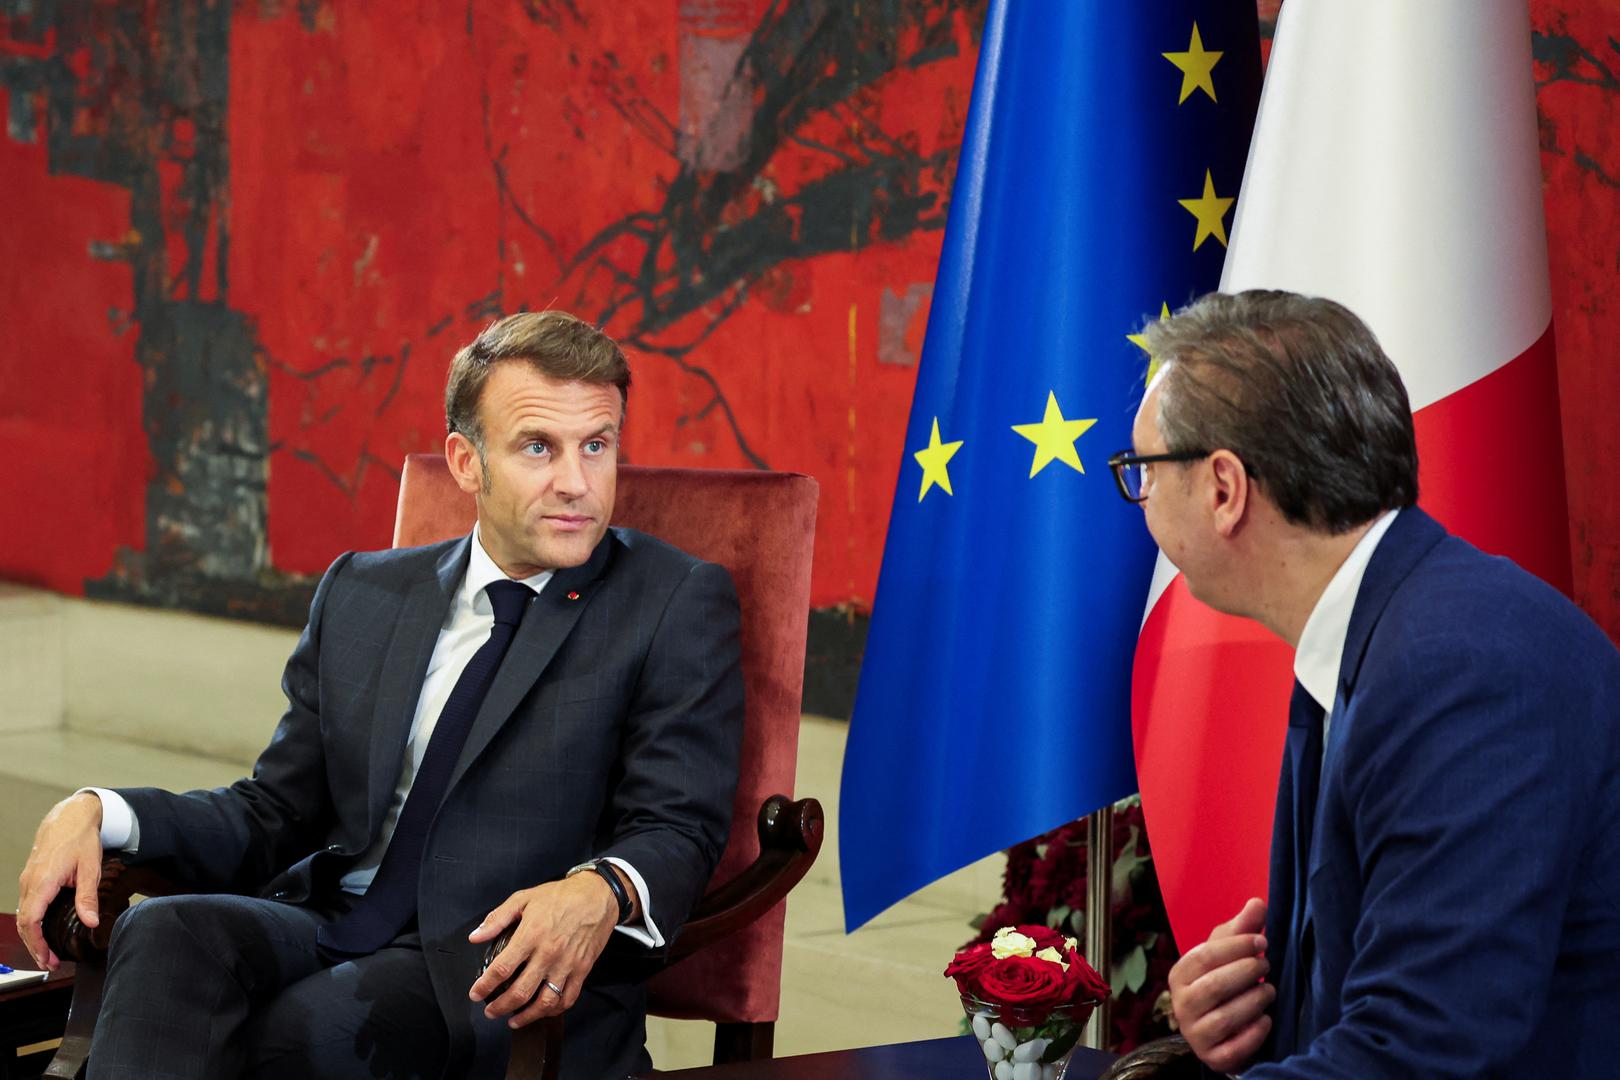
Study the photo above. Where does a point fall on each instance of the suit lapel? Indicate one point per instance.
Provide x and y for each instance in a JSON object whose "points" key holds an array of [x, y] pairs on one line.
{"points": [[546, 626], [1411, 536], [399, 687]]}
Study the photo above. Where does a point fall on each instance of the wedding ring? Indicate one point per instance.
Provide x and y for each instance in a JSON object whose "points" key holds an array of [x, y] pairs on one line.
{"points": [[553, 987]]}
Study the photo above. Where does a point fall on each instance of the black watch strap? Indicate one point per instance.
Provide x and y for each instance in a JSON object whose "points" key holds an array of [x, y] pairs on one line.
{"points": [[620, 893]]}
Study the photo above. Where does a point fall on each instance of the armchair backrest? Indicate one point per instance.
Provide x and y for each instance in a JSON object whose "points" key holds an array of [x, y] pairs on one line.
{"points": [[760, 526]]}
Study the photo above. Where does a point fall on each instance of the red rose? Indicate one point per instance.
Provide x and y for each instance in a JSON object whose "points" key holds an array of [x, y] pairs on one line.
{"points": [[1082, 981], [1023, 980], [967, 965]]}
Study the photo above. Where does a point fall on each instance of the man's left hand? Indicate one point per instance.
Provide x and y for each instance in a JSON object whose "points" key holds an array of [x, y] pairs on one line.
{"points": [[562, 927]]}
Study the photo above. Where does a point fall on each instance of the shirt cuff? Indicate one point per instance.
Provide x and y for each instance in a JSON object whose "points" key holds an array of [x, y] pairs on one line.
{"points": [[120, 830], [645, 931]]}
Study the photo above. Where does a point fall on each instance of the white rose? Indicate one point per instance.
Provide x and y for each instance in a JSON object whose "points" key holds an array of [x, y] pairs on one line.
{"points": [[1050, 955], [1009, 942]]}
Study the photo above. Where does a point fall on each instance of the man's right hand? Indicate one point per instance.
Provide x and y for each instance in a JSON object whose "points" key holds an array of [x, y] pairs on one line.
{"points": [[1216, 993], [67, 852]]}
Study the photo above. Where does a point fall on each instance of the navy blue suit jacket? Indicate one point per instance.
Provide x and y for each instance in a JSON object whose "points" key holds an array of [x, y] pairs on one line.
{"points": [[1463, 900]]}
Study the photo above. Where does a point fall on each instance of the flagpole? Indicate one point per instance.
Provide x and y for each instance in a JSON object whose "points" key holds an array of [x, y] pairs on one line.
{"points": [[1099, 909]]}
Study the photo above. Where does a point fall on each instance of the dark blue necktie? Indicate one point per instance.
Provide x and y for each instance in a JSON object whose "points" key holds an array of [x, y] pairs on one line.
{"points": [[385, 909], [1301, 781]]}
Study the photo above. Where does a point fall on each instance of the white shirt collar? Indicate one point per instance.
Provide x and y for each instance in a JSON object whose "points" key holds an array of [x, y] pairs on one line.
{"points": [[481, 570], [1321, 643]]}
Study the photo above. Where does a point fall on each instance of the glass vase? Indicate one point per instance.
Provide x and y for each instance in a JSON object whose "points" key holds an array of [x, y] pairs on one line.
{"points": [[1024, 1043]]}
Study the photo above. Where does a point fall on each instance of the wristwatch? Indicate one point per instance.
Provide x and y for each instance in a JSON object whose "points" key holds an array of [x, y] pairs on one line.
{"points": [[620, 893]]}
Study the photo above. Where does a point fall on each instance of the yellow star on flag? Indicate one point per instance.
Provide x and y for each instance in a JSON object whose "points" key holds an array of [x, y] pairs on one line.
{"points": [[933, 459], [1140, 341], [1196, 65], [1209, 210], [1054, 437]]}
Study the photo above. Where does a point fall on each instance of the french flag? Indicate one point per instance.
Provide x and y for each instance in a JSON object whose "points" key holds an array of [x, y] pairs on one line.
{"points": [[1395, 169]]}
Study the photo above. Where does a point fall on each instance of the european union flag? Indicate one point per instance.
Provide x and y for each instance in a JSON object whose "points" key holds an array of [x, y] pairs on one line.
{"points": [[1104, 146]]}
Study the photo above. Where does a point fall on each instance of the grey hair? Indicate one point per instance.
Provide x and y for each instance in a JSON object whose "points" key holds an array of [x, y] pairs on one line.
{"points": [[1300, 390]]}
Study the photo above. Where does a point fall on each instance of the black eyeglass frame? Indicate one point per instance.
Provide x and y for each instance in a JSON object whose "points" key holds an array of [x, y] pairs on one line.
{"points": [[1125, 459]]}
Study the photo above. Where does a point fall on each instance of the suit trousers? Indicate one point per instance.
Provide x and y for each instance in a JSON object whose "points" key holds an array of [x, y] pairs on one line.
{"points": [[211, 986]]}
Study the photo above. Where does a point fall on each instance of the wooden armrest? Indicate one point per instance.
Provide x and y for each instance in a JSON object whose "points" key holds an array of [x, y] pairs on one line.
{"points": [[1162, 1059], [790, 835], [72, 940]]}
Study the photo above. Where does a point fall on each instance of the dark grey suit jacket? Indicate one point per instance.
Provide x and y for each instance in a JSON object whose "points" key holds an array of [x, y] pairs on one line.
{"points": [[612, 728]]}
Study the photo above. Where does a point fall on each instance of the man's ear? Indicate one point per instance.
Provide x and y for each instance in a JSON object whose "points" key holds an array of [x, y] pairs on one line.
{"points": [[464, 462], [1231, 492]]}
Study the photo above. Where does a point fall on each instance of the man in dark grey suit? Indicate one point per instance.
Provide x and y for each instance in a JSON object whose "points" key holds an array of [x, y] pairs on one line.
{"points": [[533, 727]]}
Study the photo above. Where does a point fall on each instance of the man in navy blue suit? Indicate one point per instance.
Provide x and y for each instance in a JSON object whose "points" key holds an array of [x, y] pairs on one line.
{"points": [[1445, 870]]}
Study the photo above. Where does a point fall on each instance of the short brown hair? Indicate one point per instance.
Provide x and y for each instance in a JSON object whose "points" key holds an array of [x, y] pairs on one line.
{"points": [[553, 343], [1300, 390]]}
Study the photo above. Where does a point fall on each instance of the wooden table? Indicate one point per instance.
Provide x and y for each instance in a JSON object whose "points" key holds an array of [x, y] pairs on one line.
{"points": [[29, 1014], [956, 1058]]}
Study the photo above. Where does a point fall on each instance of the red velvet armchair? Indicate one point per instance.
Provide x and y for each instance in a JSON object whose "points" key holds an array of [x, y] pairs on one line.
{"points": [[728, 958]]}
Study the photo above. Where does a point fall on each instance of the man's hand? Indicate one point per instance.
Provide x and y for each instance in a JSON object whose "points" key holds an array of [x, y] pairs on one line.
{"points": [[1216, 993], [67, 851], [562, 927]]}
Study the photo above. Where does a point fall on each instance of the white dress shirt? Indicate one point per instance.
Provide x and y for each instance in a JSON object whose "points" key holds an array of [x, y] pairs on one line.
{"points": [[1321, 643], [466, 627]]}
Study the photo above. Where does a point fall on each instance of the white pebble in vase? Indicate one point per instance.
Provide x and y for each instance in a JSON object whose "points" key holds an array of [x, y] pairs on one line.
{"points": [[1006, 1038], [1027, 1070], [1029, 1051], [981, 1026], [994, 1051], [1049, 1072], [1004, 1070]]}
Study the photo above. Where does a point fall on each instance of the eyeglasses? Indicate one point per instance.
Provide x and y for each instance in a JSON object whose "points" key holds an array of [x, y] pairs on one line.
{"points": [[1128, 469]]}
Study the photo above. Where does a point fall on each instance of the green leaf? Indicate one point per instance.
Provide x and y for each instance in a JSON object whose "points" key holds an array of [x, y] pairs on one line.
{"points": [[1055, 917], [1129, 973], [1130, 857], [1063, 1043]]}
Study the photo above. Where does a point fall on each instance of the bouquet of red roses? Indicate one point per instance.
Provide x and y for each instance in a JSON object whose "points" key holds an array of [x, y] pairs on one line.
{"points": [[1028, 993]]}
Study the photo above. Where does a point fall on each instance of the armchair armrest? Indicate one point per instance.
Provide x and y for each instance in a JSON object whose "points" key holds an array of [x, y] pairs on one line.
{"points": [[790, 835], [71, 940], [1169, 1058]]}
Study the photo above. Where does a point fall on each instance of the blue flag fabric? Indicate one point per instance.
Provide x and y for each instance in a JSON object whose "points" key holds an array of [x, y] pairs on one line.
{"points": [[1104, 147]]}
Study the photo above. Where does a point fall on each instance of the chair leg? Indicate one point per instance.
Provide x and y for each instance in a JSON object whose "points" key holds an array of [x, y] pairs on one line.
{"points": [[744, 1041], [70, 1058]]}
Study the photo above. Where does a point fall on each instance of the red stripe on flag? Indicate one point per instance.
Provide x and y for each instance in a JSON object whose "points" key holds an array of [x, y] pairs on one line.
{"points": [[1207, 754], [1491, 462], [1210, 692]]}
